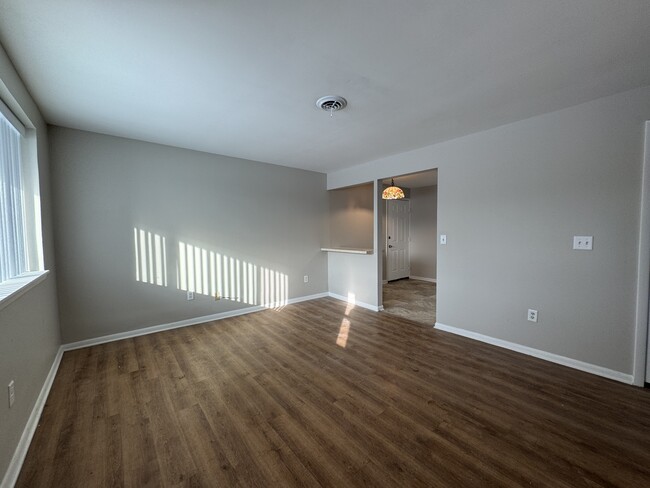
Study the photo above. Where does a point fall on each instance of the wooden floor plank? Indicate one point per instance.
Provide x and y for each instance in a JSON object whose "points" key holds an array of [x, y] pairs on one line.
{"points": [[284, 398], [206, 447]]}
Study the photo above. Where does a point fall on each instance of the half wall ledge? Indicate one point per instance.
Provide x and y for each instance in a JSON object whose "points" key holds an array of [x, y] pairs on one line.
{"points": [[348, 250]]}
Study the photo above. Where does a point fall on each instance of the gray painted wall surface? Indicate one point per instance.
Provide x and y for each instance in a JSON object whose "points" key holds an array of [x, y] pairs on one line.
{"points": [[424, 247], [351, 276], [272, 218], [511, 198], [356, 276], [351, 216], [29, 325]]}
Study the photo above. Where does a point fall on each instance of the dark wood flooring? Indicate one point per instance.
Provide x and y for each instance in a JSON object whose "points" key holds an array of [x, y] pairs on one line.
{"points": [[310, 396]]}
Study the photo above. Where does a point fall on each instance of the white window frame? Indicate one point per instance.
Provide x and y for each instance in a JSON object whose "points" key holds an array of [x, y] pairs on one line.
{"points": [[15, 287]]}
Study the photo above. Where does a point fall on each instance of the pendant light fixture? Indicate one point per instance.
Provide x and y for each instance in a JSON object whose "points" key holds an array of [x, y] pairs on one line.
{"points": [[392, 192]]}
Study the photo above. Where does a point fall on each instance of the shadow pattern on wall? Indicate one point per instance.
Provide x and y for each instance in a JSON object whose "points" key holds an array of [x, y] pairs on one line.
{"points": [[208, 272]]}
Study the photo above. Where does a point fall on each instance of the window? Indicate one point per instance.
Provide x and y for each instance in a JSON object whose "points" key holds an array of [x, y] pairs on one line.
{"points": [[13, 258], [21, 260]]}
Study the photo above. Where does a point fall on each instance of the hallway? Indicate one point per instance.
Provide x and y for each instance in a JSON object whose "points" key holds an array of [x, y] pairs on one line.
{"points": [[411, 299]]}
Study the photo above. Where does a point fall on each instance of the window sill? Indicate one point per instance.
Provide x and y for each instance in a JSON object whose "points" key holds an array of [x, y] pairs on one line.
{"points": [[15, 287]]}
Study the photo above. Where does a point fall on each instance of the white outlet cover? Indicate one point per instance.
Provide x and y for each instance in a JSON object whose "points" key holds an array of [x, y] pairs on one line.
{"points": [[443, 239], [190, 295], [306, 278], [583, 243], [532, 315]]}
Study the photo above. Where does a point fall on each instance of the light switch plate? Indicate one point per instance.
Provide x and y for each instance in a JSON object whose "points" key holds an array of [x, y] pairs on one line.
{"points": [[583, 243], [443, 239]]}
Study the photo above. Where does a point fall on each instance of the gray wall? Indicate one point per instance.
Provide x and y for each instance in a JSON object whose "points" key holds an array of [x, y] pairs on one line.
{"points": [[510, 199], [355, 277], [351, 216], [423, 249], [349, 274], [29, 325], [265, 220]]}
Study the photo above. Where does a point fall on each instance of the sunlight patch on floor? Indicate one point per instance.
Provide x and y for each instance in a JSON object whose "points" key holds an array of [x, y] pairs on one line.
{"points": [[342, 339]]}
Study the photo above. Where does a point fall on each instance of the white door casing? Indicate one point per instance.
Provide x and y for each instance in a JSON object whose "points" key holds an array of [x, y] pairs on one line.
{"points": [[398, 261], [641, 365]]}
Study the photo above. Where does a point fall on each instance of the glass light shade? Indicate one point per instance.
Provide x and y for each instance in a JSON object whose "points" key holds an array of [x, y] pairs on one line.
{"points": [[392, 192]]}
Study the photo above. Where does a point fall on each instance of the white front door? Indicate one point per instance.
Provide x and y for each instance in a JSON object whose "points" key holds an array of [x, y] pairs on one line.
{"points": [[398, 262]]}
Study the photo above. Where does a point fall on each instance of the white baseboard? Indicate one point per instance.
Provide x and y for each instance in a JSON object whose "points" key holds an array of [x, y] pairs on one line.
{"points": [[538, 353], [16, 464], [183, 323], [422, 278], [159, 328], [357, 303], [307, 298]]}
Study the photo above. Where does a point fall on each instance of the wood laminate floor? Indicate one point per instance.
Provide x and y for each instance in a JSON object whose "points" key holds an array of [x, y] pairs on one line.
{"points": [[320, 395]]}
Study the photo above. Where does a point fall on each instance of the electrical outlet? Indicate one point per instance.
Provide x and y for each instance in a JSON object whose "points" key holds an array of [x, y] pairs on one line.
{"points": [[12, 393], [305, 278], [190, 295], [532, 315], [583, 243], [443, 239]]}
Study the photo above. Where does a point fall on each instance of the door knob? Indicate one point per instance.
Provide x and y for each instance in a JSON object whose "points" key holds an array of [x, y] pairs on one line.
{"points": [[390, 245]]}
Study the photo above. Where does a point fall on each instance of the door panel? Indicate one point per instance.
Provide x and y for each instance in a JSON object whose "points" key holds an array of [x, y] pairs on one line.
{"points": [[398, 263]]}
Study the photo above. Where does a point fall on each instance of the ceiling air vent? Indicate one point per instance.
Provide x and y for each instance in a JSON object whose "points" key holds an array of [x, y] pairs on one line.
{"points": [[331, 103]]}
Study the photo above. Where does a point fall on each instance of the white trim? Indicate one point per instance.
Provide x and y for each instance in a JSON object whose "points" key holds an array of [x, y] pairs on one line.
{"points": [[384, 282], [374, 308], [548, 356], [306, 298], [376, 244], [11, 117], [349, 250], [422, 278], [159, 328], [13, 288], [16, 464], [639, 366], [183, 323]]}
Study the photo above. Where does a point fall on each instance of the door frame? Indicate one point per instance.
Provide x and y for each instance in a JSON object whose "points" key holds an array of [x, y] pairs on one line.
{"points": [[381, 253], [641, 362]]}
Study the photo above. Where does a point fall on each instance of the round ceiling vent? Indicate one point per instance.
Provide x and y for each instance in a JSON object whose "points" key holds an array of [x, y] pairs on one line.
{"points": [[331, 103]]}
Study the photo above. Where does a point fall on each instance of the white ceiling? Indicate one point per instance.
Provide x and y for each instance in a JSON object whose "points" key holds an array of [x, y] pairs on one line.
{"points": [[241, 77]]}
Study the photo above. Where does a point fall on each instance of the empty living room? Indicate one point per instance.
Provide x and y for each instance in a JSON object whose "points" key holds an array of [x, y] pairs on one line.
{"points": [[204, 205]]}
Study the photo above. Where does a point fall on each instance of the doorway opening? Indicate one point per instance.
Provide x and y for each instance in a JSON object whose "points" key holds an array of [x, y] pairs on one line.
{"points": [[409, 248]]}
